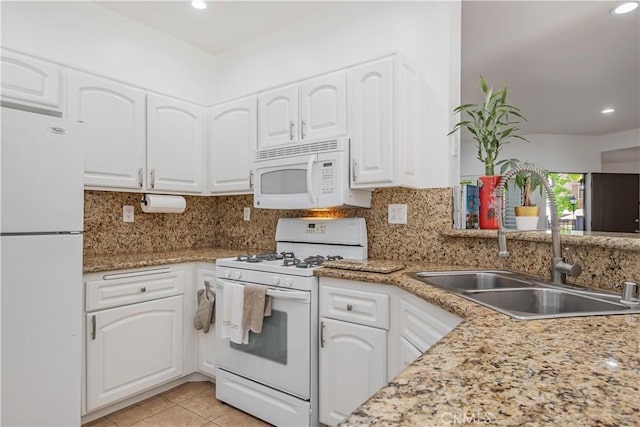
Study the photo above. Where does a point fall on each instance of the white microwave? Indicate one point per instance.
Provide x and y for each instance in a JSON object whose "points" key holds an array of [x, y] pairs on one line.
{"points": [[306, 176]]}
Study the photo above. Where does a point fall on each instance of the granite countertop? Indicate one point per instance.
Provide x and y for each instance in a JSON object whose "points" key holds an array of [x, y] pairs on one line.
{"points": [[621, 241], [93, 264], [492, 369]]}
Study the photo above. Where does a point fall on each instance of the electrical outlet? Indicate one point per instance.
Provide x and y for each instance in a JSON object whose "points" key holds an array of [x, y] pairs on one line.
{"points": [[246, 215], [127, 213], [397, 214]]}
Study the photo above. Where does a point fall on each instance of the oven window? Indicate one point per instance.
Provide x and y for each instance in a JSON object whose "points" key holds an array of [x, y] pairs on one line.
{"points": [[271, 344], [284, 181]]}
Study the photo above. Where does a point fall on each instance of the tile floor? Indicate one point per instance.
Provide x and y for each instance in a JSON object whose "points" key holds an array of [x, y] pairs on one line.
{"points": [[189, 404]]}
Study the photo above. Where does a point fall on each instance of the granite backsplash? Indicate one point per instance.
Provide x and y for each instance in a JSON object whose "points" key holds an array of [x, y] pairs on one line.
{"points": [[218, 222]]}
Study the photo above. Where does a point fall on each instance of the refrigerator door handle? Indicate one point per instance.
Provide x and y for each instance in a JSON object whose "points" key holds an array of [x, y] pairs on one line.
{"points": [[58, 130], [93, 327]]}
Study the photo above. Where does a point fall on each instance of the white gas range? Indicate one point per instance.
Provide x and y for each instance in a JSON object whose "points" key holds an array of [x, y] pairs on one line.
{"points": [[275, 376]]}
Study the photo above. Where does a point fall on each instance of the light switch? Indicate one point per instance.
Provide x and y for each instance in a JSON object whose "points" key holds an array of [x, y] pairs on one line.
{"points": [[247, 214], [397, 214], [127, 213]]}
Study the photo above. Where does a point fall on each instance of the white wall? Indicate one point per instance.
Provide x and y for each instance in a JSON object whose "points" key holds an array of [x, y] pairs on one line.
{"points": [[90, 37], [428, 33], [556, 153]]}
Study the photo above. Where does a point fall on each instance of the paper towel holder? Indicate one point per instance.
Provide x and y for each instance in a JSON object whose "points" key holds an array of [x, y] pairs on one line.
{"points": [[157, 203]]}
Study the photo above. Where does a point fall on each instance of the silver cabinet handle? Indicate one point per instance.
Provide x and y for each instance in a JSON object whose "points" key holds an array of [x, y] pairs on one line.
{"points": [[140, 177], [291, 126], [354, 165], [93, 327], [152, 178], [251, 180], [349, 307], [302, 125], [321, 334]]}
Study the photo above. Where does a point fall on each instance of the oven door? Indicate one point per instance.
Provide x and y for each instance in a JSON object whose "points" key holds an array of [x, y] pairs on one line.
{"points": [[279, 357]]}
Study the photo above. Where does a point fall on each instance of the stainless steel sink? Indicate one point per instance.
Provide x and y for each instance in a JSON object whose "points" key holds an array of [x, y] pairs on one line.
{"points": [[543, 302], [471, 280], [524, 297]]}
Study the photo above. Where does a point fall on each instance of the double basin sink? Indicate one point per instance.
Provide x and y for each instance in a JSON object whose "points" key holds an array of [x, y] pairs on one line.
{"points": [[524, 297]]}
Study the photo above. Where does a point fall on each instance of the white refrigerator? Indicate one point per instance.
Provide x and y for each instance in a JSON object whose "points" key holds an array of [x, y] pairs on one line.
{"points": [[41, 270]]}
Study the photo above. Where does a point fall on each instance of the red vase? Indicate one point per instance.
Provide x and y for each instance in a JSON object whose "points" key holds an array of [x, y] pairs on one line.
{"points": [[488, 206]]}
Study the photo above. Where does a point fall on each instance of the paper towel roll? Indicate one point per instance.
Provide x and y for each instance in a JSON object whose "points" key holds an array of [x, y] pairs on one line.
{"points": [[157, 203]]}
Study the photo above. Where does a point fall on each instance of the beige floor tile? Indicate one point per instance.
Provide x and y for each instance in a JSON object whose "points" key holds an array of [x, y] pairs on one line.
{"points": [[186, 391], [236, 418], [100, 422], [176, 416], [206, 405], [145, 409]]}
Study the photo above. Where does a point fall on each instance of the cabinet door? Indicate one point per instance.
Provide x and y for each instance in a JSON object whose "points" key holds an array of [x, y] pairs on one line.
{"points": [[323, 107], [132, 348], [423, 324], [206, 342], [30, 81], [114, 130], [232, 145], [175, 142], [278, 117], [408, 353], [370, 95], [353, 367]]}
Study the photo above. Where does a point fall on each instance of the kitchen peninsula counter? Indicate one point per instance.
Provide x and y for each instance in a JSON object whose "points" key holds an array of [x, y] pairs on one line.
{"points": [[96, 263], [495, 370]]}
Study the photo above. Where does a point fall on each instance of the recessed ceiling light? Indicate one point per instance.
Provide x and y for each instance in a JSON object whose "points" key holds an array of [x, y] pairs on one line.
{"points": [[607, 111], [625, 8], [199, 4]]}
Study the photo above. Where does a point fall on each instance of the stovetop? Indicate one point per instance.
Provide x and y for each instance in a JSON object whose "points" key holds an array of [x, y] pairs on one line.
{"points": [[287, 259], [285, 263]]}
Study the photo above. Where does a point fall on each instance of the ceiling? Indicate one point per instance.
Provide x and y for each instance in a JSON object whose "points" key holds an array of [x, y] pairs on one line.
{"points": [[564, 61]]}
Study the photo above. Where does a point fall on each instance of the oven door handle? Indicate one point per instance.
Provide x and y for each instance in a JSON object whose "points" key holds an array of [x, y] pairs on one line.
{"points": [[301, 296], [289, 295]]}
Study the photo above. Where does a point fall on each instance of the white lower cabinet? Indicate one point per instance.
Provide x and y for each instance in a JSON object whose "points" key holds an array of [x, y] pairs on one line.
{"points": [[135, 331], [353, 360], [132, 348], [205, 342], [369, 333]]}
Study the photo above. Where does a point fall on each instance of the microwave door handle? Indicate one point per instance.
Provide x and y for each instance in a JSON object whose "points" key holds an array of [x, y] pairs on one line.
{"points": [[310, 179]]}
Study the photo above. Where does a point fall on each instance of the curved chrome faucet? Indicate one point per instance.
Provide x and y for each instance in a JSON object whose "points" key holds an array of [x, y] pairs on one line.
{"points": [[559, 268]]}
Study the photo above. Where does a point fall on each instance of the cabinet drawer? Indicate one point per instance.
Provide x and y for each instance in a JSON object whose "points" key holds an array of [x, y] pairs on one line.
{"points": [[126, 288], [365, 308]]}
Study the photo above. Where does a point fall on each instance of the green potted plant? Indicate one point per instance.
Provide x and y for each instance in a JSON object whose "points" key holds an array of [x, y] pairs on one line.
{"points": [[527, 213], [491, 124]]}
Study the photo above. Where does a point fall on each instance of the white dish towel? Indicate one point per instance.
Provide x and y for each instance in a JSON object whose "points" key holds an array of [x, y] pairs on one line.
{"points": [[232, 312]]}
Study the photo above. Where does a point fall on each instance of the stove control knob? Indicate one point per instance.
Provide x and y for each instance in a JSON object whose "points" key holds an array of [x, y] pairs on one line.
{"points": [[275, 280], [288, 282], [237, 275], [227, 274]]}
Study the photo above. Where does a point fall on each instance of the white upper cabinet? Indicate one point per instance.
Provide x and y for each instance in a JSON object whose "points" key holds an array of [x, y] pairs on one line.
{"points": [[231, 145], [323, 107], [114, 130], [384, 123], [278, 117], [30, 81], [312, 110], [175, 142]]}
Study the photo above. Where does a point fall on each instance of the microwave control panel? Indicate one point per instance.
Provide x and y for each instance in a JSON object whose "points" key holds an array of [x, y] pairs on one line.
{"points": [[327, 180]]}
